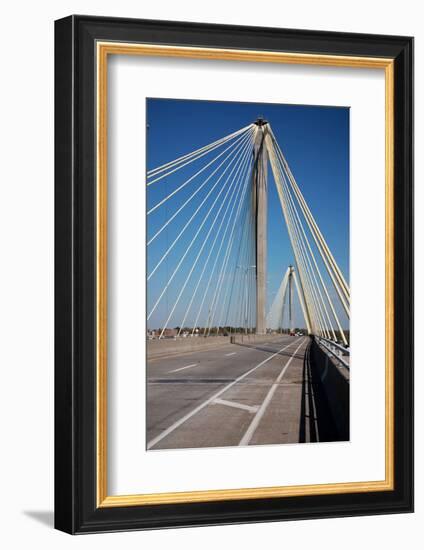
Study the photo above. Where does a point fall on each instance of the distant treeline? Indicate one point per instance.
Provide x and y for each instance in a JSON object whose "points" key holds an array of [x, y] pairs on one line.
{"points": [[228, 330]]}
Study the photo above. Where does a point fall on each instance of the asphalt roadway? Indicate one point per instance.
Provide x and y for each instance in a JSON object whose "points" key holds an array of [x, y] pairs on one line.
{"points": [[237, 394]]}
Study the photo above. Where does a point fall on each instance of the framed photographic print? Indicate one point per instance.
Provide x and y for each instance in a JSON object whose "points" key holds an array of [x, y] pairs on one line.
{"points": [[234, 274]]}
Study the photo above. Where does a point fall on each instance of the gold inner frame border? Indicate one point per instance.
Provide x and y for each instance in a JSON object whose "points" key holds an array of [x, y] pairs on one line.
{"points": [[103, 50]]}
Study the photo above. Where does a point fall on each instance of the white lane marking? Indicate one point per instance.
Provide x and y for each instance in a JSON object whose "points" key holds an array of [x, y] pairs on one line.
{"points": [[182, 368], [184, 418], [183, 353], [258, 416], [250, 408], [228, 354]]}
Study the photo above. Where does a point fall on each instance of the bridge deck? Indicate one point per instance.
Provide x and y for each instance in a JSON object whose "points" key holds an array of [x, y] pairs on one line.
{"points": [[252, 394]]}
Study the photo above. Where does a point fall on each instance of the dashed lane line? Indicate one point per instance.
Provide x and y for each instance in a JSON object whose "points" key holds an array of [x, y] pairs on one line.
{"points": [[183, 368]]}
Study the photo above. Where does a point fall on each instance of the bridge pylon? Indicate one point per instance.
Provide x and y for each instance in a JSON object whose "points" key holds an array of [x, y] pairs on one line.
{"points": [[260, 206]]}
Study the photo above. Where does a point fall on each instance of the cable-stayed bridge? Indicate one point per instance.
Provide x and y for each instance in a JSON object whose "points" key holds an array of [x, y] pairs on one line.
{"points": [[212, 325]]}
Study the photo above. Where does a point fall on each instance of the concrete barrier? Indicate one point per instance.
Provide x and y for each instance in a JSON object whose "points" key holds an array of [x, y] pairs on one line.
{"points": [[335, 382], [158, 348], [254, 338]]}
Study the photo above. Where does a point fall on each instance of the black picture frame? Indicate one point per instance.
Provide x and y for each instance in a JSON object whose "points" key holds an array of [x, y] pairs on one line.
{"points": [[76, 508]]}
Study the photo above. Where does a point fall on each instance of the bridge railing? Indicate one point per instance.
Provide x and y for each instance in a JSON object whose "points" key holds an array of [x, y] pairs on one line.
{"points": [[338, 351], [334, 377]]}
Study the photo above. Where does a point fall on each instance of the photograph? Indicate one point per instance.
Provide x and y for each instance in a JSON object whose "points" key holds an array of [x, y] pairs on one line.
{"points": [[247, 274]]}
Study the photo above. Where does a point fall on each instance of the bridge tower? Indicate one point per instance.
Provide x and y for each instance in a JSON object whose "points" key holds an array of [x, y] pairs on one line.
{"points": [[290, 283], [260, 208]]}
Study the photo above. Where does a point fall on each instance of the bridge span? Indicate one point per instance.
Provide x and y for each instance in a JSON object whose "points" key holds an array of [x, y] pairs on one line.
{"points": [[282, 389]]}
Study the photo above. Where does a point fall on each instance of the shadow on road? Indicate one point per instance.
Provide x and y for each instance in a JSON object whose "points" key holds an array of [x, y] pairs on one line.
{"points": [[288, 353], [316, 421]]}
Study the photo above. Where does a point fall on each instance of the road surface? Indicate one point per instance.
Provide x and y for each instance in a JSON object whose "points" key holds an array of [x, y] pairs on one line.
{"points": [[248, 394]]}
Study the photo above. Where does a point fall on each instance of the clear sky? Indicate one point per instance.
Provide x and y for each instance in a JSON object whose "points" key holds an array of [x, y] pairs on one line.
{"points": [[315, 142]]}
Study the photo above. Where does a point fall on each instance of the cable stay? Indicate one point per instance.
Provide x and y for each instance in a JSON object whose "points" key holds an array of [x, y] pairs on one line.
{"points": [[218, 267], [316, 233], [233, 160], [191, 178], [324, 319], [205, 218], [193, 156], [218, 235], [230, 240], [205, 241]]}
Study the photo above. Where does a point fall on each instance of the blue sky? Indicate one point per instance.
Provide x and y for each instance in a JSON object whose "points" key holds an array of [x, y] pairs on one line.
{"points": [[315, 142]]}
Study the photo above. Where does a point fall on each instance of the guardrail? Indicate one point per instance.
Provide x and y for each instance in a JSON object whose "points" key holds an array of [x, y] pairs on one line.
{"points": [[335, 349]]}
